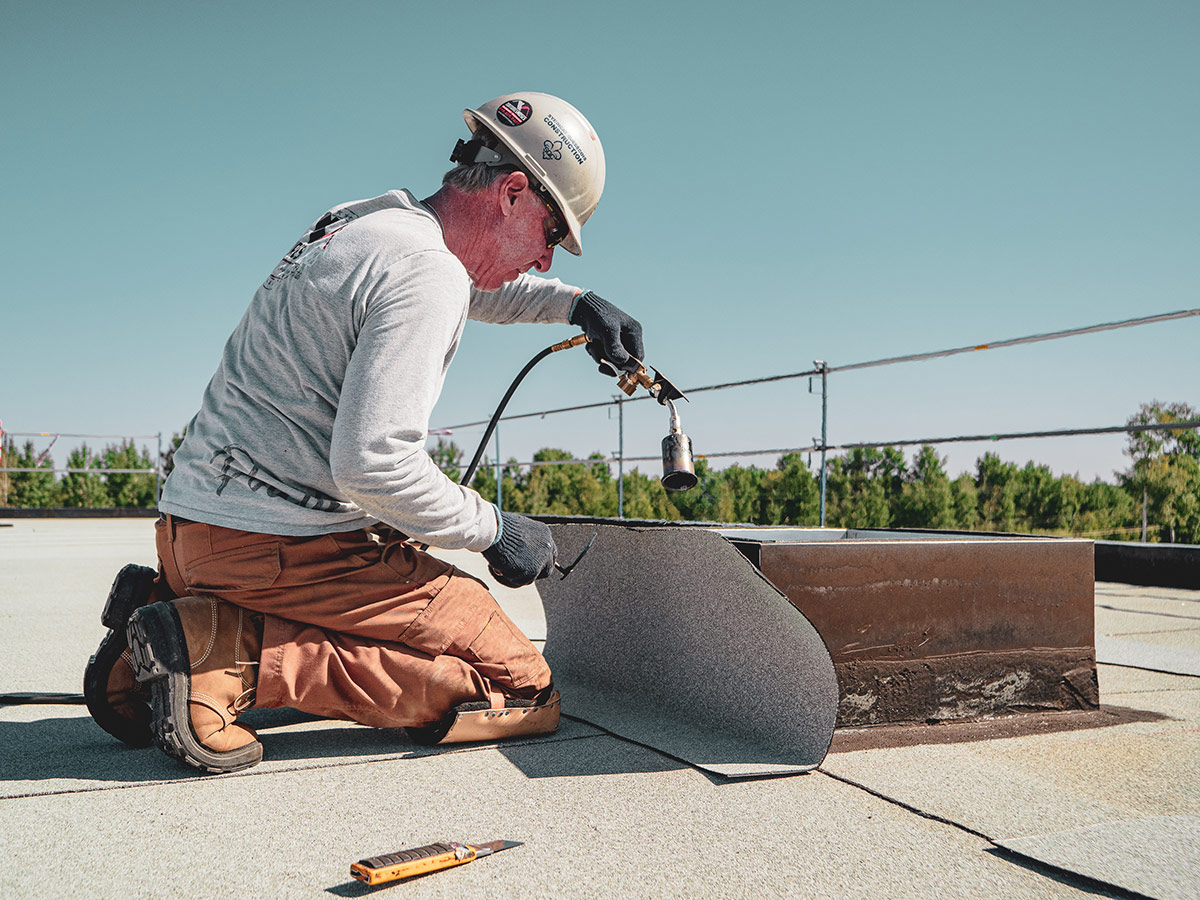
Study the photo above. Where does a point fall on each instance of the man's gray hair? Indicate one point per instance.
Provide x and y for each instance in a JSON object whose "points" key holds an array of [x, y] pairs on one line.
{"points": [[474, 177]]}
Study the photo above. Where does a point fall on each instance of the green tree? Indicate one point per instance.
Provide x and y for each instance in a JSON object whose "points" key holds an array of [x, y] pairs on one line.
{"points": [[868, 488], [729, 495], [1044, 502], [484, 483], [568, 489], [790, 494], [646, 498], [964, 497], [168, 458], [926, 499], [1163, 442], [448, 457], [996, 482], [1165, 475], [863, 487], [1171, 486], [80, 488], [28, 489], [129, 489], [700, 504], [1105, 511]]}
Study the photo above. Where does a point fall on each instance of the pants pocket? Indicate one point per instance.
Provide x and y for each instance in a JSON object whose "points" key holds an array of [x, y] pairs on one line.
{"points": [[240, 569], [437, 619], [501, 653]]}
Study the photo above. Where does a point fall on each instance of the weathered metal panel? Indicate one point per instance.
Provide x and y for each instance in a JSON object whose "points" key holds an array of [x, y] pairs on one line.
{"points": [[924, 628]]}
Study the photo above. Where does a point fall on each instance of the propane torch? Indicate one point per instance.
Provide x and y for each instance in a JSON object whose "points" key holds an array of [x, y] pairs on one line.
{"points": [[679, 470]]}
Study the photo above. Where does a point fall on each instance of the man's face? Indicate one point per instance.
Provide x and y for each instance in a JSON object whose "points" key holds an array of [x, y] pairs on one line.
{"points": [[521, 239]]}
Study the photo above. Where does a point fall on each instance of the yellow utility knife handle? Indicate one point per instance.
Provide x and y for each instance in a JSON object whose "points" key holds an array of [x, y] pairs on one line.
{"points": [[407, 863]]}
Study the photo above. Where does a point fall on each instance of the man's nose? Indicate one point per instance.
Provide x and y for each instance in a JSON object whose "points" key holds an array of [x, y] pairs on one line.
{"points": [[544, 261]]}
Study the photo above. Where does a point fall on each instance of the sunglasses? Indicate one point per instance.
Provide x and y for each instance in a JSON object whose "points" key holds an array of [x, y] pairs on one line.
{"points": [[556, 228]]}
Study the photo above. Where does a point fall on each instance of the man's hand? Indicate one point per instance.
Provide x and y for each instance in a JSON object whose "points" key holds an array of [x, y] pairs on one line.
{"points": [[613, 336], [525, 551]]}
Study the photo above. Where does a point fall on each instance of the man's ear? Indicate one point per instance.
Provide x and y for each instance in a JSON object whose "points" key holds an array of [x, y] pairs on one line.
{"points": [[511, 187]]}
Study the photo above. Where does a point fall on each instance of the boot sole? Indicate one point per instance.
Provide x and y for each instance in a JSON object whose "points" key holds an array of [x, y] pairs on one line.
{"points": [[130, 590], [160, 658]]}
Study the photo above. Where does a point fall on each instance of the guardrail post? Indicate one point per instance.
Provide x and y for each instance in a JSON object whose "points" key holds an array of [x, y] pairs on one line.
{"points": [[824, 367], [620, 458]]}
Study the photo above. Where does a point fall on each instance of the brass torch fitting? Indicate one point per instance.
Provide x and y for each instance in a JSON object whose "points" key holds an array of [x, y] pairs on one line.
{"points": [[576, 341], [630, 381]]}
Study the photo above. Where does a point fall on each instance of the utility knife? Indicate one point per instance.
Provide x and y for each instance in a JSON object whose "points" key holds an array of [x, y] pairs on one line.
{"points": [[423, 860]]}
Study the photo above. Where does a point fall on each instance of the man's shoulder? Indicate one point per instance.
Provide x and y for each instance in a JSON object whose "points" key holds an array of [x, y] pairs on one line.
{"points": [[395, 225]]}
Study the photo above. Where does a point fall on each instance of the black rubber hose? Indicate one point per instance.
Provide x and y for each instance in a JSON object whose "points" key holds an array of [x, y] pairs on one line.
{"points": [[466, 479]]}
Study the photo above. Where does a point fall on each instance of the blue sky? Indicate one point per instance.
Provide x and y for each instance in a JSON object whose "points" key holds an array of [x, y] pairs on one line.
{"points": [[786, 182]]}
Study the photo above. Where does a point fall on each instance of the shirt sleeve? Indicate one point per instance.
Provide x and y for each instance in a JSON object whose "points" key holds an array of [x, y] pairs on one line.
{"points": [[528, 298], [409, 332]]}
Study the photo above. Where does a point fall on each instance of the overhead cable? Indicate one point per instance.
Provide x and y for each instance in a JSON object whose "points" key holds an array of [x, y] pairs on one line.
{"points": [[891, 360], [86, 471], [1012, 342], [963, 438], [66, 435], [1012, 436]]}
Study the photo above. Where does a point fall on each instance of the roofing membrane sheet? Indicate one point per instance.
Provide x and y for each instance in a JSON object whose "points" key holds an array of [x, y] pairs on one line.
{"points": [[1158, 857], [1141, 655], [671, 638]]}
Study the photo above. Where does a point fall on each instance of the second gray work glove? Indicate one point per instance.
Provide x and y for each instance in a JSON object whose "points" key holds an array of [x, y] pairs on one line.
{"points": [[524, 552], [613, 336]]}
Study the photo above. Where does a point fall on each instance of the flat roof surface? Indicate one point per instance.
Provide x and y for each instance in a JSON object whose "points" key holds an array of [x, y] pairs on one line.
{"points": [[891, 813]]}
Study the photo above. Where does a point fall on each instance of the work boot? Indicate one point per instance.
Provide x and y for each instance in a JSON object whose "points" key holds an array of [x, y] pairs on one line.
{"points": [[114, 698], [200, 656], [484, 720]]}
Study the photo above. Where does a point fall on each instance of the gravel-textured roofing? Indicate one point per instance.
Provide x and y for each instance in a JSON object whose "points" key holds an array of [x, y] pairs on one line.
{"points": [[83, 816]]}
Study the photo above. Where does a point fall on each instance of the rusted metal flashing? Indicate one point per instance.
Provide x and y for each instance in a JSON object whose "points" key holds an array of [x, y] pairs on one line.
{"points": [[965, 686], [876, 737], [943, 628]]}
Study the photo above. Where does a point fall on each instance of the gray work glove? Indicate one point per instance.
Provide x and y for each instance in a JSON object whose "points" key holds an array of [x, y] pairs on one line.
{"points": [[613, 336], [523, 552]]}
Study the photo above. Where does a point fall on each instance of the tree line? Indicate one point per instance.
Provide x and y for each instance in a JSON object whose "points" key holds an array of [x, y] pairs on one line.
{"points": [[865, 488], [86, 488]]}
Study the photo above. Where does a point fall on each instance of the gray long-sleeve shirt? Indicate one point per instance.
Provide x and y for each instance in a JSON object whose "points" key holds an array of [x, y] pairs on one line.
{"points": [[317, 416]]}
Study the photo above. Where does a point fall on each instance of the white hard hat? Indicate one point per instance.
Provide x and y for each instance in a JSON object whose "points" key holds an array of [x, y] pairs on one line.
{"points": [[555, 144]]}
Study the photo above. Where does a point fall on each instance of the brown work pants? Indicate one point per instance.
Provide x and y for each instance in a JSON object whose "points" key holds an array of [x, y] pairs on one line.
{"points": [[356, 626]]}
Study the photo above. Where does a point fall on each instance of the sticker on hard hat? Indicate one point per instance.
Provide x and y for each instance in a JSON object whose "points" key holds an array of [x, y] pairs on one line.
{"points": [[514, 112], [574, 149]]}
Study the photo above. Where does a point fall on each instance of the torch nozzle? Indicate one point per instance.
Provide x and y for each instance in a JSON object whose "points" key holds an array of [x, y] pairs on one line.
{"points": [[679, 471]]}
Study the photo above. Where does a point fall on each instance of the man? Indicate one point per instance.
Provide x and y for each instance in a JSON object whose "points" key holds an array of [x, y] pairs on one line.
{"points": [[286, 574]]}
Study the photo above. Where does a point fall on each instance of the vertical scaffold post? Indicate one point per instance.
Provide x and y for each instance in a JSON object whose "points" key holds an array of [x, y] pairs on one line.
{"points": [[158, 467], [824, 369], [620, 458]]}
